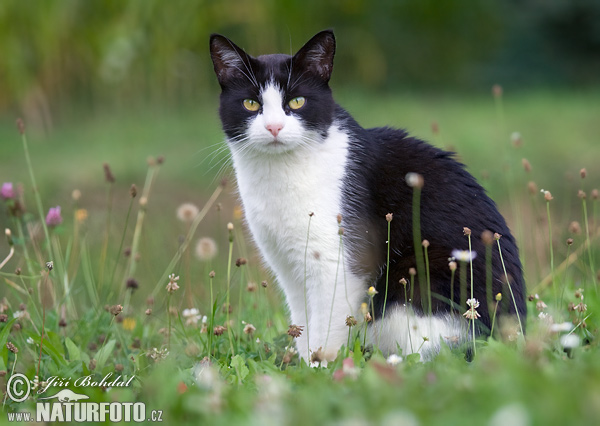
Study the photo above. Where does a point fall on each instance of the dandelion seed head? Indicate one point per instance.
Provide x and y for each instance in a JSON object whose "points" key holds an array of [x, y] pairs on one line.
{"points": [[187, 212], [414, 180], [206, 249]]}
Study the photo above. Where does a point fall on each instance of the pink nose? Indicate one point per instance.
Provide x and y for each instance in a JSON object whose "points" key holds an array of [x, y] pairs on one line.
{"points": [[274, 128]]}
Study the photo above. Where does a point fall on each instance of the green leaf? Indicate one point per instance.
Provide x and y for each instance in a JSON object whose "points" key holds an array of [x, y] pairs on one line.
{"points": [[104, 353], [5, 331], [358, 355], [73, 350], [413, 359], [238, 364]]}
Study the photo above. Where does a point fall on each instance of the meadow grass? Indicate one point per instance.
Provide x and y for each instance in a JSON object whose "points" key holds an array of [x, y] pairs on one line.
{"points": [[215, 345]]}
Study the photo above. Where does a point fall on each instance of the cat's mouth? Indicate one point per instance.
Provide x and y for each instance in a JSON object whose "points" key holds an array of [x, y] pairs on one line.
{"points": [[275, 142]]}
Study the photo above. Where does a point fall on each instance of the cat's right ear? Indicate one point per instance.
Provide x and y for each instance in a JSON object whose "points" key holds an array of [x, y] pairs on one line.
{"points": [[229, 60]]}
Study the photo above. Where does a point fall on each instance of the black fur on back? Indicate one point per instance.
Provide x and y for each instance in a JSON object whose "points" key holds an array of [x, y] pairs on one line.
{"points": [[451, 199]]}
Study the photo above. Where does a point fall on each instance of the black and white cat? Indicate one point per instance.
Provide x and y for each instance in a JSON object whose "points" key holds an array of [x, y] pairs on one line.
{"points": [[296, 152]]}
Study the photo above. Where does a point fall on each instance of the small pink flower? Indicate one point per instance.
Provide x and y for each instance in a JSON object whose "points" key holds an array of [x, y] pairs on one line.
{"points": [[7, 192], [53, 218]]}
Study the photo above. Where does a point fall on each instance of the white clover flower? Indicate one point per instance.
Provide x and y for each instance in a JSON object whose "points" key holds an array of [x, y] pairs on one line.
{"points": [[192, 316], [464, 255], [30, 340], [473, 303], [562, 327], [394, 359], [546, 318], [570, 341]]}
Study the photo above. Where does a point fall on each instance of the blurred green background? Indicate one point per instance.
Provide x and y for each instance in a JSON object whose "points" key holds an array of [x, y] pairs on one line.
{"points": [[117, 81], [95, 53]]}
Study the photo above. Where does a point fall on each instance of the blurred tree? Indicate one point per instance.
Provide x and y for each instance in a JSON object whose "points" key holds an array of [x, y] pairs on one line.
{"points": [[107, 52]]}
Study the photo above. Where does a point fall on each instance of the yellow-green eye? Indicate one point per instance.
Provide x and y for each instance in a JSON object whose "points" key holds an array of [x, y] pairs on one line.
{"points": [[297, 103], [251, 105]]}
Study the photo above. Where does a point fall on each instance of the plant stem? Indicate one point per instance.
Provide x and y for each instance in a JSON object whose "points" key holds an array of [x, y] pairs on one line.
{"points": [[334, 291], [305, 277], [36, 193], [510, 289], [429, 311], [551, 250], [417, 240], [227, 305], [587, 237], [472, 297]]}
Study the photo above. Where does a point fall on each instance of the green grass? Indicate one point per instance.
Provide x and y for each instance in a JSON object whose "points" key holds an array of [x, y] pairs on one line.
{"points": [[530, 381]]}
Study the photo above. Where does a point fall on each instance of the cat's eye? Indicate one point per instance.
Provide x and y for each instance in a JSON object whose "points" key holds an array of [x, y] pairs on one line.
{"points": [[297, 103], [251, 105]]}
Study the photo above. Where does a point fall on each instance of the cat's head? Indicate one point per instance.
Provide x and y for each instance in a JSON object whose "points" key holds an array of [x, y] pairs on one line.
{"points": [[275, 103]]}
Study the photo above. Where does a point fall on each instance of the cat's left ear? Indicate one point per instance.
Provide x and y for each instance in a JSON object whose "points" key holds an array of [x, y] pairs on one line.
{"points": [[317, 55]]}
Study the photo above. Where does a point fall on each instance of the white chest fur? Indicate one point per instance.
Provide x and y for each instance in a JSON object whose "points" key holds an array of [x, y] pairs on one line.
{"points": [[278, 192]]}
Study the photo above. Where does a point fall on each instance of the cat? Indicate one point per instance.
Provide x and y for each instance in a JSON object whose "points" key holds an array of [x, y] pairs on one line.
{"points": [[308, 172]]}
